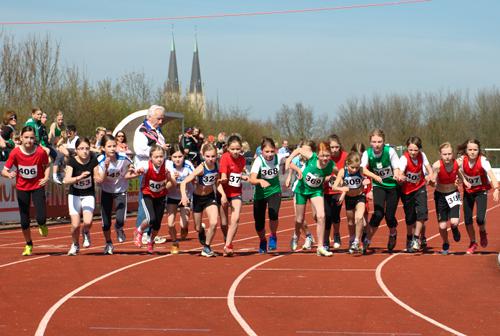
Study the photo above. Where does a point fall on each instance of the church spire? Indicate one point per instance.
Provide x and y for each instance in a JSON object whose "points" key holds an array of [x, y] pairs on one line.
{"points": [[173, 78], [196, 95]]}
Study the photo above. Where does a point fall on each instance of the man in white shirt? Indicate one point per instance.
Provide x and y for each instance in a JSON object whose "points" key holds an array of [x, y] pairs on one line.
{"points": [[147, 134]]}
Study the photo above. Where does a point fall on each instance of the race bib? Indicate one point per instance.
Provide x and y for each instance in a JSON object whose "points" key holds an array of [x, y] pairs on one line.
{"points": [[209, 179], [84, 183], [156, 186], [28, 172], [413, 177], [384, 172], [453, 199], [269, 173], [353, 182], [234, 180], [111, 173], [313, 181], [474, 180]]}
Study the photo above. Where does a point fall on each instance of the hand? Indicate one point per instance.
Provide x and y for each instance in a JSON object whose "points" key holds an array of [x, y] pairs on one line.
{"points": [[287, 182], [264, 183], [185, 201], [83, 175], [495, 195], [223, 200], [341, 199], [107, 162], [299, 175], [12, 175], [344, 189], [43, 181], [467, 185], [378, 179], [139, 171], [244, 177], [176, 174], [366, 181], [223, 180]]}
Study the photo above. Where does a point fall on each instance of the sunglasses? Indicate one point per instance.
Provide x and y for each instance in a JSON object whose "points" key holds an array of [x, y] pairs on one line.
{"points": [[13, 118]]}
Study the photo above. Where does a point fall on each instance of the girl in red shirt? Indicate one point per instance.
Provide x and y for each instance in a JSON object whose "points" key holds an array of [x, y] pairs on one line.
{"points": [[478, 173], [232, 165], [155, 182], [32, 174]]}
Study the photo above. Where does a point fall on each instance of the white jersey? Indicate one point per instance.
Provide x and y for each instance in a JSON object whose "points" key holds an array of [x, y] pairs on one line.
{"points": [[184, 171], [115, 181]]}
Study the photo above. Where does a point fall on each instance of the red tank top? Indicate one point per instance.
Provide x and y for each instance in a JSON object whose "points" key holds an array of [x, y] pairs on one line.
{"points": [[154, 182], [30, 168], [339, 163], [414, 174], [445, 177], [476, 176]]}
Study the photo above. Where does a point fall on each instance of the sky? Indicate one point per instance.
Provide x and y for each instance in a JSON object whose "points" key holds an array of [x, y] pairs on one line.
{"points": [[259, 63]]}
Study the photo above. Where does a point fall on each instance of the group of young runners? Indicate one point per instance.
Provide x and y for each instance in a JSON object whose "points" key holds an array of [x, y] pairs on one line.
{"points": [[326, 175]]}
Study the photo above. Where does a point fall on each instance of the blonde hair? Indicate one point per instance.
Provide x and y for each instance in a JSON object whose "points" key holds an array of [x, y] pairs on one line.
{"points": [[353, 158], [444, 145], [377, 132]]}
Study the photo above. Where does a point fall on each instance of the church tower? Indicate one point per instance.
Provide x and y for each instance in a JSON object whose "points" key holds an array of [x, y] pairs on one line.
{"points": [[172, 89], [196, 95]]}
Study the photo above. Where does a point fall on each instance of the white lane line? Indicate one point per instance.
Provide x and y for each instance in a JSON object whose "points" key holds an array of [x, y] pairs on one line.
{"points": [[318, 269], [354, 333], [155, 298], [181, 330], [42, 326], [232, 290], [24, 260], [380, 282]]}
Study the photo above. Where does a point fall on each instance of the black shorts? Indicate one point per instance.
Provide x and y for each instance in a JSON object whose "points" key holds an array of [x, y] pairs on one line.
{"points": [[201, 202], [415, 206], [351, 202], [175, 201], [443, 211]]}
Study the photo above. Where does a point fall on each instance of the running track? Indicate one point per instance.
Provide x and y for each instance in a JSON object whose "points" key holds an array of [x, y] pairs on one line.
{"points": [[132, 293]]}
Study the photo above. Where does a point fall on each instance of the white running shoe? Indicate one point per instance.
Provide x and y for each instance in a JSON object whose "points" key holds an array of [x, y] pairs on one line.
{"points": [[108, 248], [308, 243], [120, 235], [73, 250], [294, 243], [145, 238], [322, 252], [86, 239]]}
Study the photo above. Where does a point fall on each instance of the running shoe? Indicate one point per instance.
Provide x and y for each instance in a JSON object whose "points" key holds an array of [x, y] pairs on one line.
{"points": [[43, 230], [415, 244], [320, 251], [184, 233], [446, 249], [456, 233], [201, 236], [294, 243], [273, 243], [207, 252], [150, 247], [336, 241], [391, 243], [86, 239], [145, 238], [423, 243], [472, 248], [160, 239], [484, 238], [366, 245], [138, 238], [73, 250], [263, 246], [354, 248], [28, 250], [228, 250], [326, 243], [120, 235], [108, 248], [308, 243], [175, 248], [409, 246]]}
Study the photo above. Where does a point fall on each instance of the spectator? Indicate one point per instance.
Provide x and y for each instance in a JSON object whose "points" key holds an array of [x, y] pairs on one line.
{"points": [[221, 143], [8, 132], [189, 143], [121, 143], [56, 128], [146, 135], [95, 146], [284, 149], [36, 122]]}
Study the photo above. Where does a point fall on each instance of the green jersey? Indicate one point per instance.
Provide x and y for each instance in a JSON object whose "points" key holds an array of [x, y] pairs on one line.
{"points": [[382, 167], [268, 171], [313, 177]]}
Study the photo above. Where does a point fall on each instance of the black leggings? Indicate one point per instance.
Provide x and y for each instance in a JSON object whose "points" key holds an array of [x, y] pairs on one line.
{"points": [[259, 210], [107, 209], [153, 209], [24, 199], [480, 198], [385, 203], [332, 210]]}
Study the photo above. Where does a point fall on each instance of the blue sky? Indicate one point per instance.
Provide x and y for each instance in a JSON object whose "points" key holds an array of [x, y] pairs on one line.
{"points": [[259, 63]]}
